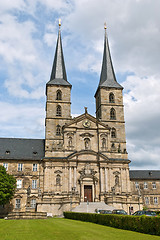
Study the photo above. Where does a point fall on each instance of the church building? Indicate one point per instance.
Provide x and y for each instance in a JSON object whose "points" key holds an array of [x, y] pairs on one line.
{"points": [[81, 159]]}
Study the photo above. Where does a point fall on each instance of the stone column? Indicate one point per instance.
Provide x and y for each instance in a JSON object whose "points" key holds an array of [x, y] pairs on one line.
{"points": [[106, 179], [75, 176], [65, 180], [70, 179], [109, 179], [101, 175], [124, 181], [128, 180]]}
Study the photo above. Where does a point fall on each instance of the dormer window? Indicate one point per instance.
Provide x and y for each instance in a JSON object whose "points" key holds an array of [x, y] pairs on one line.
{"points": [[111, 98], [7, 152], [58, 111], [59, 95]]}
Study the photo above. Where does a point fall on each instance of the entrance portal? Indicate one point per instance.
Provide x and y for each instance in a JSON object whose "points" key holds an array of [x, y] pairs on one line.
{"points": [[88, 193]]}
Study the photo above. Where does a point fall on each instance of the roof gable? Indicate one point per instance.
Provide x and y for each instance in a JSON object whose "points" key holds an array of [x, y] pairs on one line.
{"points": [[81, 119]]}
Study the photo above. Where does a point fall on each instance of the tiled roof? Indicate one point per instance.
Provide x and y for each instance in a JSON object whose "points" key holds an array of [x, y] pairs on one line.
{"points": [[20, 148], [144, 174]]}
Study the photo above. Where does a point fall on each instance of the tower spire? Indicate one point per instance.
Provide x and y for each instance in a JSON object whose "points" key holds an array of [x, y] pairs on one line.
{"points": [[58, 74], [107, 78]]}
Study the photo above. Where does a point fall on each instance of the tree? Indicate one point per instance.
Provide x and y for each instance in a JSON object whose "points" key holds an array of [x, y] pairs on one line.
{"points": [[7, 186]]}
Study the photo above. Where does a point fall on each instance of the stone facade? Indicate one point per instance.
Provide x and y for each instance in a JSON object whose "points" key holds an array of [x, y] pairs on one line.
{"points": [[83, 158]]}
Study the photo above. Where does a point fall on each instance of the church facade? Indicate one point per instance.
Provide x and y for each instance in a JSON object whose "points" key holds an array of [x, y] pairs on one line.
{"points": [[81, 159]]}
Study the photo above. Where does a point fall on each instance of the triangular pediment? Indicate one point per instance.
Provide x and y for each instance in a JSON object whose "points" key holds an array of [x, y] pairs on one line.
{"points": [[86, 121]]}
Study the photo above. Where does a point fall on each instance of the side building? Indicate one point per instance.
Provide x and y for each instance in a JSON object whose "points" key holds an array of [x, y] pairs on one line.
{"points": [[82, 159]]}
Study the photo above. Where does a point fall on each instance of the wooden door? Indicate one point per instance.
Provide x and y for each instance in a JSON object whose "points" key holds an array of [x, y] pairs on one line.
{"points": [[88, 193]]}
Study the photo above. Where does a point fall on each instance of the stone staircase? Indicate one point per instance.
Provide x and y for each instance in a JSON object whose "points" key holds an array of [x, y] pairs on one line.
{"points": [[27, 215], [91, 207]]}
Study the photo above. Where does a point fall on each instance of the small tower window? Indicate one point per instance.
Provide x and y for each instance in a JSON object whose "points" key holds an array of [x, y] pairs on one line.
{"points": [[58, 130], [113, 133], [112, 114], [59, 95], [59, 111], [111, 98]]}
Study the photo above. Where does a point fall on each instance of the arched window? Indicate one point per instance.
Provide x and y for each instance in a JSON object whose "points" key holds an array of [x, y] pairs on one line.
{"points": [[111, 98], [58, 180], [87, 143], [112, 114], [59, 95], [58, 130], [59, 111], [113, 133]]}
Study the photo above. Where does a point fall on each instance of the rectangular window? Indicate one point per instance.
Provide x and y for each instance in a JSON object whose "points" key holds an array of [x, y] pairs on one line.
{"points": [[18, 203], [155, 200], [34, 167], [34, 184], [20, 167], [145, 185], [33, 203], [146, 200], [6, 166], [137, 185], [154, 185], [19, 183]]}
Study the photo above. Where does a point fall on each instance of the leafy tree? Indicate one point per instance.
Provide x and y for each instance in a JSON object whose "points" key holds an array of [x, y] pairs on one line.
{"points": [[7, 186]]}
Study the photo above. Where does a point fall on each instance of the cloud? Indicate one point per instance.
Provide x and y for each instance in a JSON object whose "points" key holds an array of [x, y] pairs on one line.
{"points": [[27, 42], [22, 120], [141, 100]]}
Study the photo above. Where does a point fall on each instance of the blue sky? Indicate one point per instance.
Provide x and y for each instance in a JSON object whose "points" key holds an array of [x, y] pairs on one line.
{"points": [[27, 44]]}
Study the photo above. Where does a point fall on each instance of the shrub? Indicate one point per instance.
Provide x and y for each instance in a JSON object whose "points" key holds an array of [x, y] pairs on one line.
{"points": [[143, 224]]}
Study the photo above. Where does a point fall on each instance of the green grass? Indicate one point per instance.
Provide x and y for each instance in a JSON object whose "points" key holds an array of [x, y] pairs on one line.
{"points": [[65, 229]]}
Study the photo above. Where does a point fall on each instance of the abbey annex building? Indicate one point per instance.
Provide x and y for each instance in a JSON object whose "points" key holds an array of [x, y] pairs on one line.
{"points": [[81, 159]]}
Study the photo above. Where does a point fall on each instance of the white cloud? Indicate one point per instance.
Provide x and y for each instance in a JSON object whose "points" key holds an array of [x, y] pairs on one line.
{"points": [[142, 102], [21, 120], [27, 42]]}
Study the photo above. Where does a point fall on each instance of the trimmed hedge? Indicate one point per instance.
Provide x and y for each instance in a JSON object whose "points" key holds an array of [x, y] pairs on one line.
{"points": [[142, 224]]}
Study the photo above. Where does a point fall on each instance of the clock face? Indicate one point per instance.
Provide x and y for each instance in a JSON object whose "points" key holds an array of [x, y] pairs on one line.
{"points": [[86, 123]]}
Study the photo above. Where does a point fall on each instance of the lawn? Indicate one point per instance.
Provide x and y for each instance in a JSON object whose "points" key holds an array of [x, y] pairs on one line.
{"points": [[63, 229]]}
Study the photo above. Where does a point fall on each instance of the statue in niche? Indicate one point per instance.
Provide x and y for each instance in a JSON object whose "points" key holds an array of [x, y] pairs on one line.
{"points": [[103, 143], [87, 143], [70, 142], [28, 191], [58, 180], [116, 180]]}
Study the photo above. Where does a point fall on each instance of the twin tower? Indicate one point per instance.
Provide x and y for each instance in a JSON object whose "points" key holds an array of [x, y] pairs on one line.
{"points": [[85, 157]]}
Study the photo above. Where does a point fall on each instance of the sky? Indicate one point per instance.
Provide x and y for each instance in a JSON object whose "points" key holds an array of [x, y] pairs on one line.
{"points": [[28, 35]]}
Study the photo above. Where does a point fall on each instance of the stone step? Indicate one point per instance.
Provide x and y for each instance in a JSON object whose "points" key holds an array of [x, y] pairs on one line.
{"points": [[91, 207], [27, 215]]}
